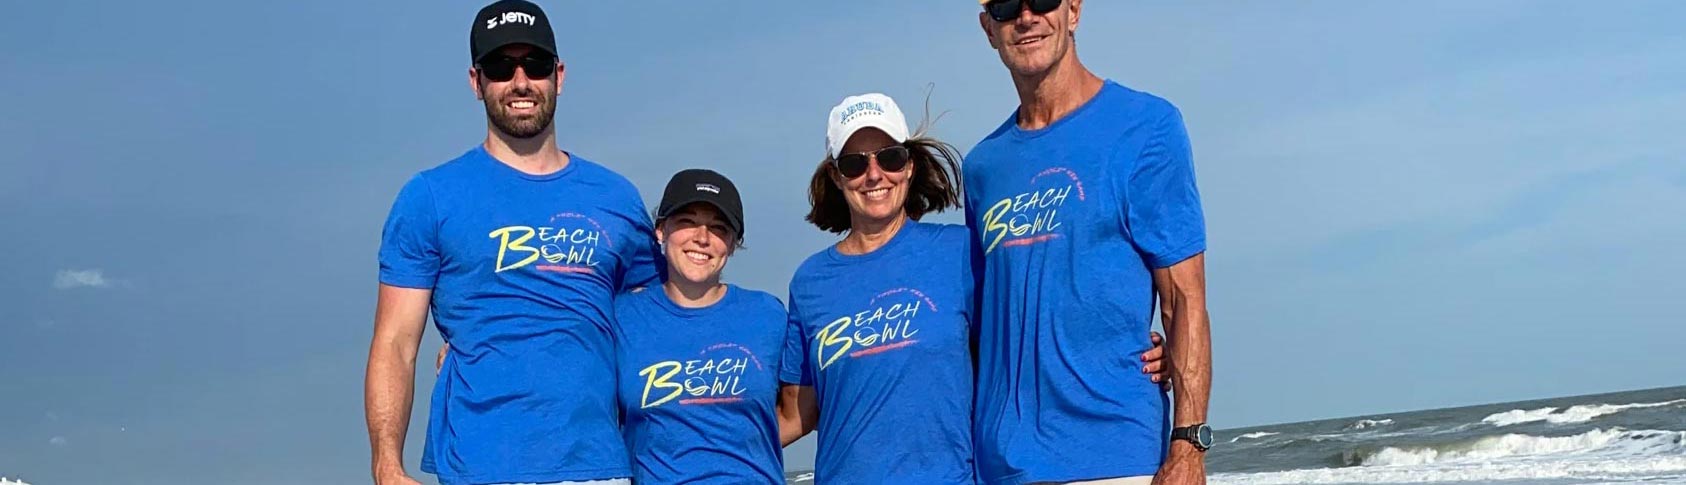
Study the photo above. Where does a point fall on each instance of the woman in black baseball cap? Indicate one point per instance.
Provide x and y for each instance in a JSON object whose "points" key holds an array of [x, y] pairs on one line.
{"points": [[698, 358]]}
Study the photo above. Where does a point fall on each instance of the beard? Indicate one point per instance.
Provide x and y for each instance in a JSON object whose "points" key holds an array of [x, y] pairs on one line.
{"points": [[521, 126]]}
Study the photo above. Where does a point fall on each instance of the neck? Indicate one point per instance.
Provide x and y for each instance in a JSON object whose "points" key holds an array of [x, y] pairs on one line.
{"points": [[1046, 97], [693, 294], [867, 236], [537, 155]]}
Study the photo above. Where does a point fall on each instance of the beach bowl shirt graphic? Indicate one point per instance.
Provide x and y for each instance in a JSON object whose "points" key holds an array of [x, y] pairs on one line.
{"points": [[1068, 223], [698, 387], [883, 338], [523, 269]]}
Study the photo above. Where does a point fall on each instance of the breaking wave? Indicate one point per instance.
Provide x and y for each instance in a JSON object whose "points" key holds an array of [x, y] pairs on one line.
{"points": [[1369, 423], [1615, 441], [1253, 436], [1574, 414]]}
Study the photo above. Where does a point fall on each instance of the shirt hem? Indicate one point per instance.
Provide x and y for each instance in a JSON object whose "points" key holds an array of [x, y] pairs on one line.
{"points": [[412, 282], [1181, 253], [1027, 478], [552, 476]]}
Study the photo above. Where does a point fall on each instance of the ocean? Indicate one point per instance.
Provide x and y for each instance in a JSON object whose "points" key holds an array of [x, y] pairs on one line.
{"points": [[1624, 437]]}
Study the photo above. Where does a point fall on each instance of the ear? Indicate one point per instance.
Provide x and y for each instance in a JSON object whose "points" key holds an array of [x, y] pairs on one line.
{"points": [[660, 237], [474, 84], [989, 33], [1076, 12], [561, 72]]}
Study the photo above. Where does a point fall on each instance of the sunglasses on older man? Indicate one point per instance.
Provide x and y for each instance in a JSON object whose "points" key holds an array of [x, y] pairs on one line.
{"points": [[1009, 10]]}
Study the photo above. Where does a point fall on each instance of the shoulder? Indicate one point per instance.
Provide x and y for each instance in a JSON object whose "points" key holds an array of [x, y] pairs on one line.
{"points": [[468, 163], [1141, 106], [950, 233], [424, 187], [939, 237], [599, 174], [813, 268], [635, 299], [760, 301], [995, 140]]}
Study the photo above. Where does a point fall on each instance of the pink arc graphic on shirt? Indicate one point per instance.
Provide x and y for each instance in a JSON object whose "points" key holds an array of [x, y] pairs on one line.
{"points": [[1031, 217], [710, 400], [607, 239], [740, 348], [882, 348], [915, 292], [887, 324], [701, 381], [1081, 196]]}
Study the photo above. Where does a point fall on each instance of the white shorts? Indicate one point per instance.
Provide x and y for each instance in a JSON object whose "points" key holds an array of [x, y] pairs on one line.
{"points": [[611, 481], [1141, 480]]}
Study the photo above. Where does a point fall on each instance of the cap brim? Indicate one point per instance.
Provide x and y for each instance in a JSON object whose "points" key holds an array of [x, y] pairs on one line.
{"points": [[498, 47], [837, 151], [737, 225]]}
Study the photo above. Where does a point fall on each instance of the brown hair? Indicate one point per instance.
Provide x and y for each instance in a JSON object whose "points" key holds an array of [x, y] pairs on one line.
{"points": [[935, 185]]}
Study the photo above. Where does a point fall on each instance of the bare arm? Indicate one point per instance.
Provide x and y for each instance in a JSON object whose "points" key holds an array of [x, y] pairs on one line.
{"points": [[1182, 305], [389, 386], [798, 412]]}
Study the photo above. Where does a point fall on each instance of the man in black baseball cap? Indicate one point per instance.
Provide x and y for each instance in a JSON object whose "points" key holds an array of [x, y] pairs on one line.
{"points": [[509, 22], [507, 37], [516, 249]]}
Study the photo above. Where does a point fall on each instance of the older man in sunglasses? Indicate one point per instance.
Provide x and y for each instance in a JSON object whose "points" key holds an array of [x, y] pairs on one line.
{"points": [[1084, 208], [517, 248]]}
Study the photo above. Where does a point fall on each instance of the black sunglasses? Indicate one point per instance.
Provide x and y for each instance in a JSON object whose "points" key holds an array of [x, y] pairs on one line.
{"points": [[892, 158], [500, 68], [1009, 10]]}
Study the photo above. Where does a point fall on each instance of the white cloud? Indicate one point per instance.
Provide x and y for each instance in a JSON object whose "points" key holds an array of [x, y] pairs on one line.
{"points": [[81, 278], [58, 441]]}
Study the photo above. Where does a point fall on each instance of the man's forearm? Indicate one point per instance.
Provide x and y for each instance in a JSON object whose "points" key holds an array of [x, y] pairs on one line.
{"points": [[388, 393], [1188, 331], [1191, 361]]}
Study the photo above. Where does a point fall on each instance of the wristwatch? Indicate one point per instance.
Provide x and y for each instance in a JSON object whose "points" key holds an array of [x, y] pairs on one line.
{"points": [[1199, 434]]}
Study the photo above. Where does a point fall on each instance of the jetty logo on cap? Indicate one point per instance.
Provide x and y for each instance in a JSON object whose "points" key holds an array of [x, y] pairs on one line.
{"points": [[708, 188], [511, 18]]}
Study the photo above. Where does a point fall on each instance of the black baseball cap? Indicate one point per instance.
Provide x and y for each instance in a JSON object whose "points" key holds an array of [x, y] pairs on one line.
{"points": [[508, 22], [707, 186]]}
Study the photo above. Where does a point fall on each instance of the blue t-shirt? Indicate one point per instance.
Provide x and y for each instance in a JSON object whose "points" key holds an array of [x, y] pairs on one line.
{"points": [[1069, 222], [884, 339], [699, 387], [523, 270]]}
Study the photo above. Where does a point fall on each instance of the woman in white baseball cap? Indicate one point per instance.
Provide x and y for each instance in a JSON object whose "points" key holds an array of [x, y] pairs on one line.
{"points": [[878, 353]]}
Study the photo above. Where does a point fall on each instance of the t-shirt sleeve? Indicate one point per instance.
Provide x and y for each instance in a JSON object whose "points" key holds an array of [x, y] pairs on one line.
{"points": [[409, 253], [1162, 205], [643, 261], [794, 367]]}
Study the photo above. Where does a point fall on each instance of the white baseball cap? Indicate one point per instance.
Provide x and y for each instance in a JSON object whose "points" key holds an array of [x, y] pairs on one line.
{"points": [[871, 110]]}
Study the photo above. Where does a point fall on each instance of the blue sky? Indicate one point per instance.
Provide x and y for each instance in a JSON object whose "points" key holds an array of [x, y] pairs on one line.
{"points": [[1411, 205]]}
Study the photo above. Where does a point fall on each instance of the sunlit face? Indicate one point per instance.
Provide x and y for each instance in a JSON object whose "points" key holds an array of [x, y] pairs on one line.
{"points": [[876, 196], [697, 241], [524, 105], [1033, 43]]}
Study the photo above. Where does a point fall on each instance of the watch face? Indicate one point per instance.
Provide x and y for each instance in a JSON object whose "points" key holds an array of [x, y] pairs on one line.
{"points": [[1204, 435]]}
